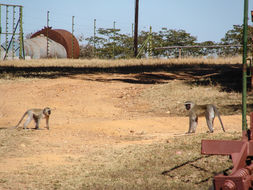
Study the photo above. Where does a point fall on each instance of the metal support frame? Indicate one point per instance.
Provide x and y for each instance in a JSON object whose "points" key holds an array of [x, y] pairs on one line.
{"points": [[21, 35], [16, 23], [13, 31], [148, 42], [244, 67], [6, 31]]}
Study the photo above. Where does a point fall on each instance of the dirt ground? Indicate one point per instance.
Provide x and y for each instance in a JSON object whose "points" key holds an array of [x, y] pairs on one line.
{"points": [[88, 111]]}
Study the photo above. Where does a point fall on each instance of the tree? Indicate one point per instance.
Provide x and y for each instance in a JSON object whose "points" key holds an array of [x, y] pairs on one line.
{"points": [[86, 51], [207, 51], [109, 43], [172, 37], [235, 36]]}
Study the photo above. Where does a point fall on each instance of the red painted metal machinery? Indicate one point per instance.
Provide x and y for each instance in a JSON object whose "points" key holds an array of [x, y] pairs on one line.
{"points": [[62, 37], [241, 152]]}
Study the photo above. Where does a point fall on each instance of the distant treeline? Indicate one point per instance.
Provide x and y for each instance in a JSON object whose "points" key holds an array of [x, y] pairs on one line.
{"points": [[110, 43]]}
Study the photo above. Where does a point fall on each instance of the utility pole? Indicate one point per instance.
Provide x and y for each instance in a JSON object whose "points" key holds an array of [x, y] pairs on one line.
{"points": [[136, 28]]}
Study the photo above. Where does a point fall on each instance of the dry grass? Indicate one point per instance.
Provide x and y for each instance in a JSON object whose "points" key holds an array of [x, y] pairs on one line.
{"points": [[115, 63], [174, 164]]}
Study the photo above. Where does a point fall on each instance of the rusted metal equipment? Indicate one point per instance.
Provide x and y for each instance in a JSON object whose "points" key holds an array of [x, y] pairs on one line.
{"points": [[62, 37], [241, 153]]}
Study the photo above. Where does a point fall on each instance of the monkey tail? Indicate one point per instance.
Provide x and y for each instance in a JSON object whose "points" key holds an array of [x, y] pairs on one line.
{"points": [[218, 114], [20, 120]]}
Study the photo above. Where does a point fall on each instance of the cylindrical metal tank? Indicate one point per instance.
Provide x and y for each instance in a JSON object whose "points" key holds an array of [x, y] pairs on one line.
{"points": [[62, 37], [36, 48]]}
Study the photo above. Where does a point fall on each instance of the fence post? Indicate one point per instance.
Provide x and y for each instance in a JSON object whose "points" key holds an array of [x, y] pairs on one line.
{"points": [[113, 50], [150, 49], [73, 37], [179, 53], [47, 33], [94, 45]]}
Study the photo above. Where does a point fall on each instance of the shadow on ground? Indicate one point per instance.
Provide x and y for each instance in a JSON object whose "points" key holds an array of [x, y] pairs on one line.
{"points": [[228, 76]]}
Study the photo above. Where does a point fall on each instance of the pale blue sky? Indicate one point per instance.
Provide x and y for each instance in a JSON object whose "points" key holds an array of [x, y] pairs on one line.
{"points": [[204, 19]]}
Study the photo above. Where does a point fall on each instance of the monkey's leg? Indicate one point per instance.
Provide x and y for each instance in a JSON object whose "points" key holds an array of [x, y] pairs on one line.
{"points": [[210, 115], [47, 123], [193, 124], [28, 120], [37, 121]]}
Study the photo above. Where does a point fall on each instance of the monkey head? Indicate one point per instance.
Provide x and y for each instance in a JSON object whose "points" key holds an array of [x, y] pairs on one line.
{"points": [[189, 105], [47, 111]]}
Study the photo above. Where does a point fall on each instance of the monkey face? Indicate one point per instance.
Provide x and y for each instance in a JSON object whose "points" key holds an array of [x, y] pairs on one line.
{"points": [[187, 106], [47, 111]]}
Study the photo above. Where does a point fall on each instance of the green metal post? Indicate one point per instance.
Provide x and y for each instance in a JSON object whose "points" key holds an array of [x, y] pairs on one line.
{"points": [[244, 70]]}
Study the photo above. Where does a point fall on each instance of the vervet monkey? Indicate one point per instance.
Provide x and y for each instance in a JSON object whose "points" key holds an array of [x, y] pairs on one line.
{"points": [[36, 115], [209, 110]]}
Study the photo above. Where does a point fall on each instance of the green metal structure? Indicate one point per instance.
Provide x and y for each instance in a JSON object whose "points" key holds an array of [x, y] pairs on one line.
{"points": [[244, 70], [12, 32], [147, 43]]}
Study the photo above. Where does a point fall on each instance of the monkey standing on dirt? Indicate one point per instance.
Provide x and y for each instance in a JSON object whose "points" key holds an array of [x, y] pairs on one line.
{"points": [[209, 110], [36, 115]]}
